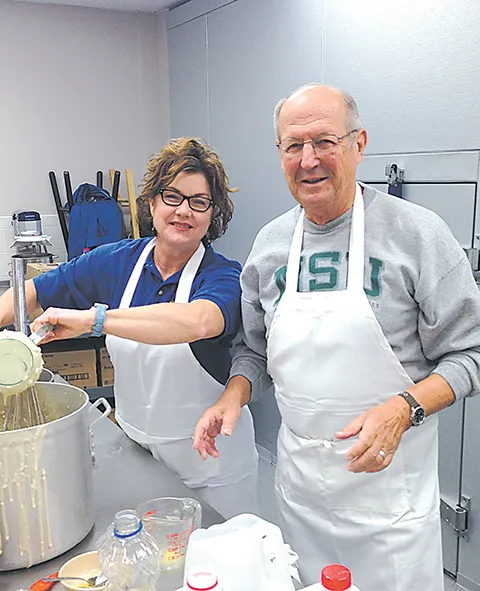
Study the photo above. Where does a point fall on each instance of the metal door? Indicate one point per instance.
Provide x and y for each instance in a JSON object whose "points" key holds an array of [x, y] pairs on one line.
{"points": [[446, 184], [468, 574]]}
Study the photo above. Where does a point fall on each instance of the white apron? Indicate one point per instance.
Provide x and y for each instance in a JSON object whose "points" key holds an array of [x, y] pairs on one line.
{"points": [[161, 392], [330, 362]]}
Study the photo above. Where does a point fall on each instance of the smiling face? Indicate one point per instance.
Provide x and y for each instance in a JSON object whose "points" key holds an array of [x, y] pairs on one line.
{"points": [[324, 185], [179, 227]]}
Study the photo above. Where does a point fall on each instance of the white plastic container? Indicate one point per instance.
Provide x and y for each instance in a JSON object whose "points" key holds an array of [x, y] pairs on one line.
{"points": [[334, 577]]}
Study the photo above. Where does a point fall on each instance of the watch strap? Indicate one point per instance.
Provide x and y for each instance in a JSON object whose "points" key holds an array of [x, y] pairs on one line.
{"points": [[410, 399], [417, 412], [100, 312]]}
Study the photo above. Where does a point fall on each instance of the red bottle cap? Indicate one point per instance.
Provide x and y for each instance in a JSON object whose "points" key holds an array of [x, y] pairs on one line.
{"points": [[336, 577], [202, 580]]}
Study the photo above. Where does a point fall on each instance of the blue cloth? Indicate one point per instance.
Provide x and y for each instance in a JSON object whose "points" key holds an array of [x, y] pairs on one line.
{"points": [[95, 218], [101, 275]]}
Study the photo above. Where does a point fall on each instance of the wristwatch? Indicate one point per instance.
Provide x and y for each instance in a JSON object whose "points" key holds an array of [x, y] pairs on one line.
{"points": [[100, 311], [417, 414]]}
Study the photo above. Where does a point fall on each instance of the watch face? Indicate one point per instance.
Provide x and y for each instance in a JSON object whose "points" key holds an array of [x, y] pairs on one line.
{"points": [[418, 416]]}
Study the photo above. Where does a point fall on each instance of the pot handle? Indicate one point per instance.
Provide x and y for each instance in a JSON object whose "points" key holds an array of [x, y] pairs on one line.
{"points": [[108, 409]]}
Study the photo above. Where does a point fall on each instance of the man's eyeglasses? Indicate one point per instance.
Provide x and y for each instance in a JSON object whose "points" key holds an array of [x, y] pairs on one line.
{"points": [[175, 199], [322, 144]]}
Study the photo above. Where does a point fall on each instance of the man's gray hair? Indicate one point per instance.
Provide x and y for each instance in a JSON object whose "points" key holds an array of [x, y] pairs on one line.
{"points": [[353, 118]]}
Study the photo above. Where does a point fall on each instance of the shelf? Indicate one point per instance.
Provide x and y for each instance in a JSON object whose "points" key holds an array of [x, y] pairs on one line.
{"points": [[99, 392]]}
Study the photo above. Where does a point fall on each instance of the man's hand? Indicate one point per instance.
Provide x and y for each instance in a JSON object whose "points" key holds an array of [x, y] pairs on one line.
{"points": [[68, 323], [219, 419], [381, 429]]}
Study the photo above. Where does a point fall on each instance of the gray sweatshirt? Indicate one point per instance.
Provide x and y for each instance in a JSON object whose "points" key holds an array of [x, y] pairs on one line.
{"points": [[417, 280]]}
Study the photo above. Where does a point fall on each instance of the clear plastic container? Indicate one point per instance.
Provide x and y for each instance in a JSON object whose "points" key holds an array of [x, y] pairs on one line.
{"points": [[171, 520], [128, 555]]}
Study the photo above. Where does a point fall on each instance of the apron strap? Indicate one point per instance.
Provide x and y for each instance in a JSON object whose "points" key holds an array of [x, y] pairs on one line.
{"points": [[135, 276], [186, 278], [293, 264], [356, 254], [356, 250], [188, 274]]}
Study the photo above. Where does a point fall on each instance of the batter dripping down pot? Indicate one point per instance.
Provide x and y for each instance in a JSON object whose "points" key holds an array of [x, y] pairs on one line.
{"points": [[46, 479]]}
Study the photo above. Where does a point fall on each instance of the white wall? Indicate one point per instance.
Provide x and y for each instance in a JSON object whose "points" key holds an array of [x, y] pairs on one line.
{"points": [[411, 65], [80, 90]]}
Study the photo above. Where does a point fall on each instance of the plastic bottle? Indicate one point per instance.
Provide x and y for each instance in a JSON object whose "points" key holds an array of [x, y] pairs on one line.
{"points": [[334, 577], [128, 555]]}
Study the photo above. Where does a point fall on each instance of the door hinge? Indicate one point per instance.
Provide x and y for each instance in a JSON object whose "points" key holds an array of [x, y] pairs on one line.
{"points": [[457, 516], [395, 179], [394, 174], [473, 258]]}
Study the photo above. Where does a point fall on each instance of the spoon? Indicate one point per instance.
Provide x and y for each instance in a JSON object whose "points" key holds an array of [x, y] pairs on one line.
{"points": [[92, 582]]}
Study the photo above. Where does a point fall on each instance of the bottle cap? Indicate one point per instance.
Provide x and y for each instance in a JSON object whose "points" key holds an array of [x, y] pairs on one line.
{"points": [[202, 579], [336, 577]]}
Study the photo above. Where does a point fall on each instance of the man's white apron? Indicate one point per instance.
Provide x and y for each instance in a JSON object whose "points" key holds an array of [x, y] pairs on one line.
{"points": [[330, 362], [161, 392]]}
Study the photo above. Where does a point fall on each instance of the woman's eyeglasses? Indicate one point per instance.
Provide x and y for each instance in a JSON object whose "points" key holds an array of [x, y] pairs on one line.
{"points": [[175, 199]]}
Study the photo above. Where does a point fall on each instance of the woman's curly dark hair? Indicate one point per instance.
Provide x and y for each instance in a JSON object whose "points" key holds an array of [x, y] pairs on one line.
{"points": [[187, 155]]}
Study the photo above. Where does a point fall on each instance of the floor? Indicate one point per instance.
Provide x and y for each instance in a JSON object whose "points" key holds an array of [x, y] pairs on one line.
{"points": [[267, 502]]}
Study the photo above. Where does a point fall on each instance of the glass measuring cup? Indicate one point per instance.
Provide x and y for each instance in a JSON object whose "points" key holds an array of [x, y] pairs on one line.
{"points": [[170, 521]]}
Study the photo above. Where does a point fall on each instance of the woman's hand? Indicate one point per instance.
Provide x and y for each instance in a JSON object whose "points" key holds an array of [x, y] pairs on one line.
{"points": [[67, 323]]}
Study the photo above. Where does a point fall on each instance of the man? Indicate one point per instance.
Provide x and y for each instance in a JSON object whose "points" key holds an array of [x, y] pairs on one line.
{"points": [[380, 334]]}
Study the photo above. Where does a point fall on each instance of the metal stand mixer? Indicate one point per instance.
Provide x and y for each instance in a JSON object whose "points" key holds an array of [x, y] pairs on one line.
{"points": [[28, 238]]}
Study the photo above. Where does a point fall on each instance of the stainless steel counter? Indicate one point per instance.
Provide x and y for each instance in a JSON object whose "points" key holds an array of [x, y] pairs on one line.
{"points": [[124, 476]]}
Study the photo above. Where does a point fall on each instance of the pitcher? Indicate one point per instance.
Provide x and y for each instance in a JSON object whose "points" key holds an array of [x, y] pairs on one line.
{"points": [[170, 521]]}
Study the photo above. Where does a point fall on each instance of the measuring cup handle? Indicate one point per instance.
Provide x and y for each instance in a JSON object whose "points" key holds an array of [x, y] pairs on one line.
{"points": [[197, 518], [108, 409]]}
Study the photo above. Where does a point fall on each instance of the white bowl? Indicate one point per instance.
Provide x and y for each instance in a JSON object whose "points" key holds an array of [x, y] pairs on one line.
{"points": [[84, 565]]}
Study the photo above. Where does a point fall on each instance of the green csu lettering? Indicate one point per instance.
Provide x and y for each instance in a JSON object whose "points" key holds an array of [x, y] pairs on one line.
{"points": [[325, 273], [375, 289], [324, 276]]}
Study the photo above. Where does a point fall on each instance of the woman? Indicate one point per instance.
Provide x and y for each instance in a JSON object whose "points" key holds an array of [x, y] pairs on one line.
{"points": [[173, 309]]}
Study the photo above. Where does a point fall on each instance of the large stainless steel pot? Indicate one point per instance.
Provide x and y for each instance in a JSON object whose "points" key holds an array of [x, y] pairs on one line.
{"points": [[46, 375], [46, 479]]}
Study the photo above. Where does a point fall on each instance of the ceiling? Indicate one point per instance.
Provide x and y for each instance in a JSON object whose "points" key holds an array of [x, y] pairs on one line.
{"points": [[124, 5]]}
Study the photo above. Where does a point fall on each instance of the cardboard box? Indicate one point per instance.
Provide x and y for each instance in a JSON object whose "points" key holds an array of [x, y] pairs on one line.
{"points": [[79, 368], [33, 270], [106, 367]]}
